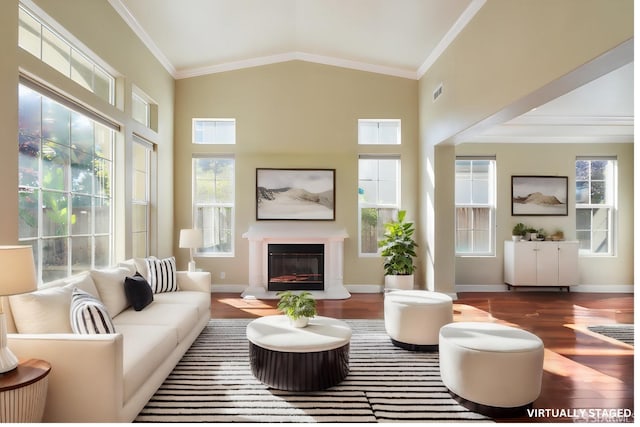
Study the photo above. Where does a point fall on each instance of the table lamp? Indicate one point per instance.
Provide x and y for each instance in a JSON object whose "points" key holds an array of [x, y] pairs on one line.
{"points": [[18, 277], [191, 238]]}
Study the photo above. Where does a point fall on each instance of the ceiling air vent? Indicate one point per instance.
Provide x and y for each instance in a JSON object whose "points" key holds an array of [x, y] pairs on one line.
{"points": [[437, 92]]}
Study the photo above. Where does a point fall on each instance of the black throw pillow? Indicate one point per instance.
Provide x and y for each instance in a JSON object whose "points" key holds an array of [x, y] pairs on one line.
{"points": [[138, 292]]}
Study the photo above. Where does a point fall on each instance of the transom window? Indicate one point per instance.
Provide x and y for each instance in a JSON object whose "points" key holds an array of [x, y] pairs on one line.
{"points": [[214, 131], [379, 132], [378, 198], [50, 47], [64, 187], [595, 204], [214, 204], [475, 206]]}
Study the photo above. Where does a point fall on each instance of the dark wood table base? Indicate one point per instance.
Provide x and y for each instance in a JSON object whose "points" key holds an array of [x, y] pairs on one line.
{"points": [[292, 371]]}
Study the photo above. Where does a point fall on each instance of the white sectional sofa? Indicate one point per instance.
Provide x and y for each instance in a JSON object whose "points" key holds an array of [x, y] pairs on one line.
{"points": [[107, 377]]}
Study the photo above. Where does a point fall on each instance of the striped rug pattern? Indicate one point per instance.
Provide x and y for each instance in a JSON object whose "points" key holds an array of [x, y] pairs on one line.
{"points": [[213, 383], [621, 332]]}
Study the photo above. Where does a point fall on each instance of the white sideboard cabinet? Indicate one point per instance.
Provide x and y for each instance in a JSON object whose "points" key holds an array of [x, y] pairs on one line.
{"points": [[541, 263]]}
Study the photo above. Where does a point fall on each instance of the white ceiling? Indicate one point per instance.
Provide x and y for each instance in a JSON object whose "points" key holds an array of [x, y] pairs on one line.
{"points": [[395, 37]]}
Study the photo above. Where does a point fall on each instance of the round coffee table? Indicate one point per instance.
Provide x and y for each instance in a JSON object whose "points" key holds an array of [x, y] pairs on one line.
{"points": [[299, 359]]}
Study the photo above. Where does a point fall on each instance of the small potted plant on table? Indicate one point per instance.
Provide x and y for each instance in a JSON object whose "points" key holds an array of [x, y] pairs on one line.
{"points": [[518, 231], [298, 307]]}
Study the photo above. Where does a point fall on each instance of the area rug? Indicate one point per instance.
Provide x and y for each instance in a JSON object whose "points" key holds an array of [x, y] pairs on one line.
{"points": [[620, 332], [213, 383]]}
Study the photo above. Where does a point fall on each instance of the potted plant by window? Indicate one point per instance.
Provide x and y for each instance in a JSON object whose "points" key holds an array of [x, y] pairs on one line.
{"points": [[398, 250], [298, 307]]}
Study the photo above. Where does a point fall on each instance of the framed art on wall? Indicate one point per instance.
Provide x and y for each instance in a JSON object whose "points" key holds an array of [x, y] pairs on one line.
{"points": [[533, 195], [295, 194]]}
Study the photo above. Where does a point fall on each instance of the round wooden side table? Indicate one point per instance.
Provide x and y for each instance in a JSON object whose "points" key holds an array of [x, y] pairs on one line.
{"points": [[23, 392]]}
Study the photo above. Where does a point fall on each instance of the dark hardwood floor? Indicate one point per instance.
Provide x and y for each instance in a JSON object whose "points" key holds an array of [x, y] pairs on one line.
{"points": [[582, 370]]}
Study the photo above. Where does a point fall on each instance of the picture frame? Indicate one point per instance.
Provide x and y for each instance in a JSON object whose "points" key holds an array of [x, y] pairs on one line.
{"points": [[536, 195], [295, 194]]}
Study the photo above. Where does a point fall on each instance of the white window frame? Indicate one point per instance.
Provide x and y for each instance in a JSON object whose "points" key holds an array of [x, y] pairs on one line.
{"points": [[215, 122], [611, 206], [148, 147], [40, 239], [75, 49], [214, 204], [367, 205], [142, 102], [379, 123], [491, 205]]}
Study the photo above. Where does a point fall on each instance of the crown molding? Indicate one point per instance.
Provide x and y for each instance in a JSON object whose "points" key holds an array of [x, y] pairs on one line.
{"points": [[295, 56], [450, 36], [135, 26]]}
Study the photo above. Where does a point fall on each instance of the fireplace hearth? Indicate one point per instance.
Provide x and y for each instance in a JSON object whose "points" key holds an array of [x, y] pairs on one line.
{"points": [[295, 267]]}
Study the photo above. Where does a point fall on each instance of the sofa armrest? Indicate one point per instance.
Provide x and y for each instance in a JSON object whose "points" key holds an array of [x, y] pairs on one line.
{"points": [[194, 281], [86, 379]]}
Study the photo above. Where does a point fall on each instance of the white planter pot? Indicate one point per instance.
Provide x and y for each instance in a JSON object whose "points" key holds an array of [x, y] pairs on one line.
{"points": [[399, 282], [300, 322]]}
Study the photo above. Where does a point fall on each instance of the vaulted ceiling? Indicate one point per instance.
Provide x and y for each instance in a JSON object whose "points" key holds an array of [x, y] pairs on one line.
{"points": [[395, 37]]}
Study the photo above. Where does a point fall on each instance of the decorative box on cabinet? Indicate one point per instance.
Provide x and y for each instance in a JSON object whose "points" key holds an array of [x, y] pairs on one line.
{"points": [[541, 263]]}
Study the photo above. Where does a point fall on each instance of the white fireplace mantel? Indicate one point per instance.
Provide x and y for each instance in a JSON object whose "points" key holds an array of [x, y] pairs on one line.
{"points": [[260, 235]]}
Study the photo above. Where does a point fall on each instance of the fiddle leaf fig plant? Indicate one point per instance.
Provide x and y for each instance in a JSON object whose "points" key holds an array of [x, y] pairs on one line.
{"points": [[398, 247]]}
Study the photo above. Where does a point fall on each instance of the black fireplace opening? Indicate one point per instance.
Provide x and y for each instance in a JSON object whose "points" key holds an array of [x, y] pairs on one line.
{"points": [[295, 267]]}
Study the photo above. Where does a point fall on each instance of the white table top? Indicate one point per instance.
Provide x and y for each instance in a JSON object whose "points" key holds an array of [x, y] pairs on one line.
{"points": [[277, 334]]}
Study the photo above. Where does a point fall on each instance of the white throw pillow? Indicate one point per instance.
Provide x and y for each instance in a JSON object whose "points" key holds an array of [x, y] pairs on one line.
{"points": [[162, 275], [45, 311], [88, 315], [110, 285]]}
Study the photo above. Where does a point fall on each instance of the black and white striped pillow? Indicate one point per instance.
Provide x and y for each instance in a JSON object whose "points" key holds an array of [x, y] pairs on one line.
{"points": [[89, 315], [162, 274]]}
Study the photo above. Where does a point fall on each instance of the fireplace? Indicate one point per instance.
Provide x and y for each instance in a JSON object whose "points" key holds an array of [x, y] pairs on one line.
{"points": [[297, 267], [263, 235]]}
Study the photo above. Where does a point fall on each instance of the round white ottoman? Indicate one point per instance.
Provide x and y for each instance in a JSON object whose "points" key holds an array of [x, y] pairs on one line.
{"points": [[490, 368], [413, 318]]}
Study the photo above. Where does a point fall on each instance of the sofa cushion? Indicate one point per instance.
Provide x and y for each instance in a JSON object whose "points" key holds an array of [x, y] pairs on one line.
{"points": [[162, 274], [180, 317], [201, 300], [110, 285], [88, 315], [46, 310], [144, 348], [138, 292]]}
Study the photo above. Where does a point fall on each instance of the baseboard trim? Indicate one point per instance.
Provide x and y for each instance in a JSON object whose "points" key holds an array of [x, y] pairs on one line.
{"points": [[228, 288], [365, 289], [614, 289], [376, 289]]}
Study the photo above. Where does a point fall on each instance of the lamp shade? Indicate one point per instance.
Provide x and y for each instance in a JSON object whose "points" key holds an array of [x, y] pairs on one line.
{"points": [[190, 238], [18, 270]]}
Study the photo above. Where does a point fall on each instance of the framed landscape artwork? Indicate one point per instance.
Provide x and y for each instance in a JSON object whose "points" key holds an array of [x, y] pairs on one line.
{"points": [[295, 194], [539, 195]]}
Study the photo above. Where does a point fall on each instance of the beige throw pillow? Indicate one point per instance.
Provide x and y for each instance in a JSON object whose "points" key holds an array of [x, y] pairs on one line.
{"points": [[110, 285], [42, 312]]}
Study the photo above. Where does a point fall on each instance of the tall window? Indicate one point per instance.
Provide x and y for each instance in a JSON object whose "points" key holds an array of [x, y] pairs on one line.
{"points": [[49, 46], [595, 204], [378, 198], [140, 203], [214, 203], [214, 131], [379, 132], [65, 201], [475, 206]]}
